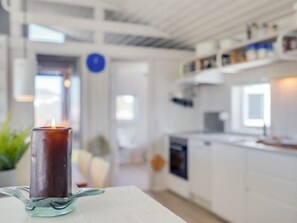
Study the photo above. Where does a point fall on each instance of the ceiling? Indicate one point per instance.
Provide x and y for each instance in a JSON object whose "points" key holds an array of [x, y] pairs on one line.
{"points": [[186, 21]]}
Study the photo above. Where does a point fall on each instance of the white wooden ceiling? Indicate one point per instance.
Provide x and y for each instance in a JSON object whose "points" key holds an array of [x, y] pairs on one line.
{"points": [[186, 21]]}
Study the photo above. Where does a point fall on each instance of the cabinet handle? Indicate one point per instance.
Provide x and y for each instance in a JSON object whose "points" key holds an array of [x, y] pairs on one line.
{"points": [[206, 143]]}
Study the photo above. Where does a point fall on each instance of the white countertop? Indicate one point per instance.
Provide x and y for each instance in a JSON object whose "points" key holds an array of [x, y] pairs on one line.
{"points": [[117, 205], [236, 140]]}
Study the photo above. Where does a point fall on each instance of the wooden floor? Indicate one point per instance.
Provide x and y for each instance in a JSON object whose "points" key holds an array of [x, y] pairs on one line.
{"points": [[188, 211]]}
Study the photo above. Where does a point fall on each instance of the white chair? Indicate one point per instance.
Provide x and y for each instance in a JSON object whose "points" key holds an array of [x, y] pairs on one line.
{"points": [[84, 162], [98, 172]]}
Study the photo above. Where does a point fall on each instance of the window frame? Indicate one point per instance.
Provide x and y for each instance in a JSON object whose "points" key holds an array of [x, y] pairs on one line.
{"points": [[263, 89], [135, 110]]}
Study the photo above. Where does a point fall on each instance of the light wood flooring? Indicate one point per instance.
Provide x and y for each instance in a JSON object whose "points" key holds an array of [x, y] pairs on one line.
{"points": [[188, 211]]}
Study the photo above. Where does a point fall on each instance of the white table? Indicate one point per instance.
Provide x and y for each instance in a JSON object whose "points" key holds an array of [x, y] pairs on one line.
{"points": [[117, 205]]}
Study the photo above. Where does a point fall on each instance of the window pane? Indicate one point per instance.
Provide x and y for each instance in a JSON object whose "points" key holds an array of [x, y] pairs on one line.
{"points": [[256, 106], [48, 99], [125, 107], [43, 34]]}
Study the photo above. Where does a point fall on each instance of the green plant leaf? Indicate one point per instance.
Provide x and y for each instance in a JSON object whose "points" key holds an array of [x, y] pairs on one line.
{"points": [[13, 145]]}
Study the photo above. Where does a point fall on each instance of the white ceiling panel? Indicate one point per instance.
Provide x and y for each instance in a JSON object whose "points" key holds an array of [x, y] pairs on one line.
{"points": [[186, 21]]}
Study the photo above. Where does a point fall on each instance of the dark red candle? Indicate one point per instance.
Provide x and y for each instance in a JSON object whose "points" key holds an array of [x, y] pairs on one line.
{"points": [[50, 162]]}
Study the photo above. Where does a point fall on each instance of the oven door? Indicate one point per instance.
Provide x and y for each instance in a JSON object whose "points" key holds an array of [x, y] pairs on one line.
{"points": [[178, 160]]}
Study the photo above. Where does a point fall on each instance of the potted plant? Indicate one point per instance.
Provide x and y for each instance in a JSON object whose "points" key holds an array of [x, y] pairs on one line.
{"points": [[13, 145]]}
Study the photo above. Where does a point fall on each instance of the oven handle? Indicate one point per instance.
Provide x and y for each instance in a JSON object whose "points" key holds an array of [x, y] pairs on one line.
{"points": [[176, 148]]}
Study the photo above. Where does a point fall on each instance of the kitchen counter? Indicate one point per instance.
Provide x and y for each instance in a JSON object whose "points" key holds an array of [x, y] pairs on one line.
{"points": [[245, 141]]}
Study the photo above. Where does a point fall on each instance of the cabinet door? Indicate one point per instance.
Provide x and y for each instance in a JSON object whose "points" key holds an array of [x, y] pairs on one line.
{"points": [[228, 182], [271, 182], [200, 170], [263, 209]]}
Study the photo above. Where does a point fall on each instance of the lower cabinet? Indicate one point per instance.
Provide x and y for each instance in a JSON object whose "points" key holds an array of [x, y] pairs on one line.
{"points": [[200, 172], [242, 185], [229, 198], [262, 209], [272, 187]]}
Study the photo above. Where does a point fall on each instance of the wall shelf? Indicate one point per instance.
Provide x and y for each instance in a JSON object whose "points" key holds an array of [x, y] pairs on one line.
{"points": [[203, 76], [209, 76], [235, 68]]}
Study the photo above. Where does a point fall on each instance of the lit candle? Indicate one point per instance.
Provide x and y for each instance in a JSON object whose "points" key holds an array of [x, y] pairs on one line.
{"points": [[50, 162]]}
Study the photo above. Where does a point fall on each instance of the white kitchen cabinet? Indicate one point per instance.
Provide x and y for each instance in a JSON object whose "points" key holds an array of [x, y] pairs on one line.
{"points": [[229, 198], [272, 187], [262, 209], [200, 172]]}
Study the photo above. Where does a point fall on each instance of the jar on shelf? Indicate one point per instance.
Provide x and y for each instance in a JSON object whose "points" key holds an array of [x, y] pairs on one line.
{"points": [[197, 65], [241, 57], [293, 44], [251, 52], [225, 59], [270, 49], [233, 57], [261, 50]]}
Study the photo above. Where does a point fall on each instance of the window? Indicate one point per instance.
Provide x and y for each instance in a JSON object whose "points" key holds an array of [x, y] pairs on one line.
{"points": [[43, 34], [125, 107], [256, 105]]}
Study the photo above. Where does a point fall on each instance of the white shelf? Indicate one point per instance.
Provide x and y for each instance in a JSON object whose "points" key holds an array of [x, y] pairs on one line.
{"points": [[209, 76], [235, 68], [243, 44], [204, 77]]}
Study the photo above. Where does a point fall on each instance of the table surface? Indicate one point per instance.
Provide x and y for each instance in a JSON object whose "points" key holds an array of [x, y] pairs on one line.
{"points": [[116, 205]]}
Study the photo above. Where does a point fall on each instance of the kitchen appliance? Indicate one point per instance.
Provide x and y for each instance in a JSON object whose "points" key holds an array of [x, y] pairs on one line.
{"points": [[179, 157]]}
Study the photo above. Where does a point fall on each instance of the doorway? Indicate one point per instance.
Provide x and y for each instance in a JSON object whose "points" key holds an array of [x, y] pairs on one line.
{"points": [[58, 94], [129, 86]]}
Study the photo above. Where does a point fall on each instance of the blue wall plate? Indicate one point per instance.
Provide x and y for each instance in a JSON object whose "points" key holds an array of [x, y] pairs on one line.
{"points": [[95, 62]]}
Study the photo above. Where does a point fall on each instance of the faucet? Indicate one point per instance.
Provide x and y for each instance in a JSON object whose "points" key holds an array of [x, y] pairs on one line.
{"points": [[264, 129]]}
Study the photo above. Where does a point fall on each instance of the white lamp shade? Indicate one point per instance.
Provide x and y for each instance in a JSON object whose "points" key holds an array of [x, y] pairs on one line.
{"points": [[23, 81]]}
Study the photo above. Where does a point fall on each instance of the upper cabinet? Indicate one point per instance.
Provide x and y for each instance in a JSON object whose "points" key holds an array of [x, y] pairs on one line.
{"points": [[250, 54]]}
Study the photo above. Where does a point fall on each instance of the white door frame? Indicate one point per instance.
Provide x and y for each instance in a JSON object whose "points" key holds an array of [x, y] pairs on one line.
{"points": [[112, 120]]}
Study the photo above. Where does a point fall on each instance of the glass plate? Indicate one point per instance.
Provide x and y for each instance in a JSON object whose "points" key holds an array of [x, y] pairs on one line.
{"points": [[48, 207]]}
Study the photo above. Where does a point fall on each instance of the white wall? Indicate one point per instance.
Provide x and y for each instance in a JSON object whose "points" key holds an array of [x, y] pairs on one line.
{"points": [[165, 116], [284, 95], [212, 98], [284, 107]]}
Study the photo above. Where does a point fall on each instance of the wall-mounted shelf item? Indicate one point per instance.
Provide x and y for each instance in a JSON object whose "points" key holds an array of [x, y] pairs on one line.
{"points": [[287, 42]]}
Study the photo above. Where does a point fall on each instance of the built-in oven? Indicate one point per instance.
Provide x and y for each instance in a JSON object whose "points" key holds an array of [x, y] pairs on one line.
{"points": [[179, 157]]}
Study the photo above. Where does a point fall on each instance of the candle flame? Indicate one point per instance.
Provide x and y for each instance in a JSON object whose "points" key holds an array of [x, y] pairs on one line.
{"points": [[53, 123]]}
